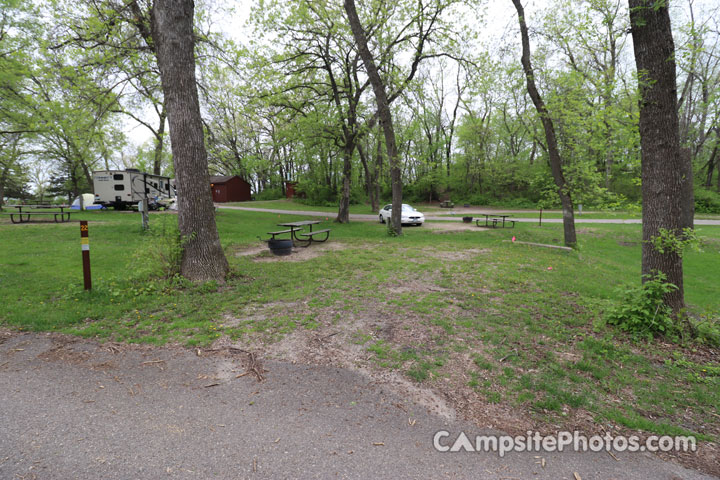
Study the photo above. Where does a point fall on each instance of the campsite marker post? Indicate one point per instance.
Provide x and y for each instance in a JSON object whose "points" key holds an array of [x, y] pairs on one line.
{"points": [[85, 245]]}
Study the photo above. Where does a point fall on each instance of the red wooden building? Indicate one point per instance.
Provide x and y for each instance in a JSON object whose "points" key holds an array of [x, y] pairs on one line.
{"points": [[230, 189]]}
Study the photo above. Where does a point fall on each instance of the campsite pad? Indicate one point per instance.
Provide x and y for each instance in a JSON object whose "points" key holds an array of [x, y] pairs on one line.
{"points": [[441, 227], [261, 253]]}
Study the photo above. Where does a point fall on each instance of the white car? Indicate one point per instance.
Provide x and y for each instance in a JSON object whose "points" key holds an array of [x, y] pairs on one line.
{"points": [[410, 215]]}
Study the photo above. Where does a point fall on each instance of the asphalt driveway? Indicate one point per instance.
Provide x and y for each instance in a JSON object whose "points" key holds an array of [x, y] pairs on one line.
{"points": [[77, 409]]}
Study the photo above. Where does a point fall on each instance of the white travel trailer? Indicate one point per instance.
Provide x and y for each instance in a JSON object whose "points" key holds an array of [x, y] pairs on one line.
{"points": [[124, 188]]}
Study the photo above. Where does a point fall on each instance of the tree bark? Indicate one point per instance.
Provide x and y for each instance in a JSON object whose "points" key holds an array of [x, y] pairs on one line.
{"points": [[687, 219], [369, 178], [203, 258], [553, 152], [159, 140], [384, 113], [3, 180], [712, 160], [663, 169], [377, 172], [343, 215]]}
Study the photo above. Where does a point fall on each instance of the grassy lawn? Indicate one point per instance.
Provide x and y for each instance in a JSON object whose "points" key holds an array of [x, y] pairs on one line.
{"points": [[469, 314]]}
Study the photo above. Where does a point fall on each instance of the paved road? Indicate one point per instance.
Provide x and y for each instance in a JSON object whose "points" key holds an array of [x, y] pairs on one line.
{"points": [[75, 409], [374, 218]]}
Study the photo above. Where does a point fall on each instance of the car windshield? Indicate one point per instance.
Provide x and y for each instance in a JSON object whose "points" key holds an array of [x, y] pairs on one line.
{"points": [[408, 208]]}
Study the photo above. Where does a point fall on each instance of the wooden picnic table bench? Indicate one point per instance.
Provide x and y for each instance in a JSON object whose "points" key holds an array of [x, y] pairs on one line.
{"points": [[281, 232], [492, 220], [298, 226], [40, 206], [25, 216], [312, 234]]}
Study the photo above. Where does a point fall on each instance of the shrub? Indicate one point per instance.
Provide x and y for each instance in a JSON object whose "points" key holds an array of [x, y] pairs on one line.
{"points": [[707, 201], [270, 194], [642, 312], [315, 193], [161, 254], [707, 328]]}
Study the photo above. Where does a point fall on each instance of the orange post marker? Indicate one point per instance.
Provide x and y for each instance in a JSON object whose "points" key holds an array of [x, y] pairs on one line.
{"points": [[85, 245]]}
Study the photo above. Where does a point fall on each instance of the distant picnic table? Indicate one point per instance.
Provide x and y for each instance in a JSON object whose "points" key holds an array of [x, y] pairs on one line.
{"points": [[493, 219], [296, 230], [27, 212]]}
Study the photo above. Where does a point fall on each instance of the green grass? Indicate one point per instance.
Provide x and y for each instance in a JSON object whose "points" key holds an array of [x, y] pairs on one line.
{"points": [[527, 320]]}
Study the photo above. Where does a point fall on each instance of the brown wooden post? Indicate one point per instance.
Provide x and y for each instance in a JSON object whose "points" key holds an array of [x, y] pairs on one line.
{"points": [[85, 245]]}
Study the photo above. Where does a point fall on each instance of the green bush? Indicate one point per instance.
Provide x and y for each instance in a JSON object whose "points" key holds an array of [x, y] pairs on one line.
{"points": [[707, 328], [311, 192], [478, 199], [706, 201], [642, 312], [161, 255], [273, 193]]}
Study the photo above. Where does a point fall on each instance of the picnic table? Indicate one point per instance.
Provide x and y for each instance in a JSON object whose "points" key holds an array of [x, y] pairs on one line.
{"points": [[32, 210], [492, 220], [296, 230]]}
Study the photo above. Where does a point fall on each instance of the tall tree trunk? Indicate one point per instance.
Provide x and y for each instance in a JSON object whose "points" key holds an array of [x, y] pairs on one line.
{"points": [[710, 168], [553, 152], [609, 153], [343, 215], [712, 161], [384, 113], [3, 181], [687, 218], [453, 120], [159, 140], [203, 258], [663, 172], [87, 173], [533, 152], [74, 187], [369, 178], [377, 172]]}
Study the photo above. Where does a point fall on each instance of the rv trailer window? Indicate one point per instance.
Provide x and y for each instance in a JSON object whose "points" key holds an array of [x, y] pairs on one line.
{"points": [[118, 176], [120, 187]]}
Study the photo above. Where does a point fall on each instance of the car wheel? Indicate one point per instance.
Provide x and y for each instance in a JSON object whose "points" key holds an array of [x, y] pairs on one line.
{"points": [[382, 220]]}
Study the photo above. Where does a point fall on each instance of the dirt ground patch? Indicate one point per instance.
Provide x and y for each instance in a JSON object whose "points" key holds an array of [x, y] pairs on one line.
{"points": [[443, 227], [261, 253], [345, 344], [416, 286], [455, 255]]}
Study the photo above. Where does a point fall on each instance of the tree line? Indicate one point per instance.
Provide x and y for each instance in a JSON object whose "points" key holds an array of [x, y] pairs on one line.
{"points": [[294, 102]]}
